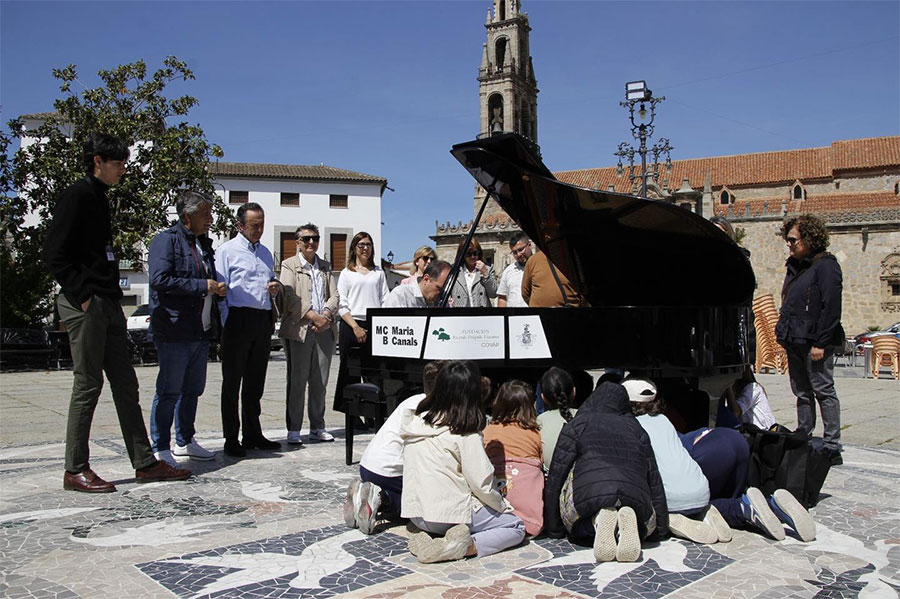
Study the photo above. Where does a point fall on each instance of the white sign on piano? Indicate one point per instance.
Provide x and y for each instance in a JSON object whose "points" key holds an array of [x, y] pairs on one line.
{"points": [[398, 336], [465, 338], [527, 338]]}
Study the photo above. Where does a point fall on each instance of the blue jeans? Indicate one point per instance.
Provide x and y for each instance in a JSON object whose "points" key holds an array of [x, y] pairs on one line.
{"points": [[181, 380]]}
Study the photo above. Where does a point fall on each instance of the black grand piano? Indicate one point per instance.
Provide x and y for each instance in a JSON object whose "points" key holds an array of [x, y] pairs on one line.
{"points": [[669, 293]]}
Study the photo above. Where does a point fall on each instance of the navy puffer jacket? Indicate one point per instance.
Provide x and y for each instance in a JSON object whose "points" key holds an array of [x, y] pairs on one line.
{"points": [[613, 463]]}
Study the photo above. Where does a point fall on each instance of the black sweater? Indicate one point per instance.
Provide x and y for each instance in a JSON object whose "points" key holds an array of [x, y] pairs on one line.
{"points": [[77, 240]]}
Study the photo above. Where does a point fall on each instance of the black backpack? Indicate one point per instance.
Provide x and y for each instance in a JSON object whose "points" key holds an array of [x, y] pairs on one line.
{"points": [[785, 459]]}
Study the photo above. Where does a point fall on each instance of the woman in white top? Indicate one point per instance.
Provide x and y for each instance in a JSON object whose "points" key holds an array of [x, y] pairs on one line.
{"points": [[361, 286]]}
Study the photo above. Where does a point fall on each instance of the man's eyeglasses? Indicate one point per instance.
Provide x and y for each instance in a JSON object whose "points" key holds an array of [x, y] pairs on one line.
{"points": [[792, 240], [309, 238]]}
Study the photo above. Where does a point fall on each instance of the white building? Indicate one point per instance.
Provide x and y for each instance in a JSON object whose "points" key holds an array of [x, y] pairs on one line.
{"points": [[340, 202]]}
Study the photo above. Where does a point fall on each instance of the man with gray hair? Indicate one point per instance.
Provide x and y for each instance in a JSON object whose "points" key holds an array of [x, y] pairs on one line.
{"points": [[183, 318]]}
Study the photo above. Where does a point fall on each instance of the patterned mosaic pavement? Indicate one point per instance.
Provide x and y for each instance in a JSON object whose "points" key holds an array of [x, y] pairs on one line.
{"points": [[271, 526]]}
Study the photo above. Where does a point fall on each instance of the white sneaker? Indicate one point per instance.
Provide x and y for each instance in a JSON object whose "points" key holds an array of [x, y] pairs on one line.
{"points": [[194, 451], [451, 547], [352, 503], [367, 515], [167, 457], [605, 535], [628, 549], [293, 438], [693, 530], [321, 435]]}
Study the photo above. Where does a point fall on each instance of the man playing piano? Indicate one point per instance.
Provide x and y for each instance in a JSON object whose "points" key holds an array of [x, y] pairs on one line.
{"points": [[424, 293]]}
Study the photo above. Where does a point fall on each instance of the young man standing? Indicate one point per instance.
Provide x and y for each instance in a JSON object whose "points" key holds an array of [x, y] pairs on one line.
{"points": [[79, 253]]}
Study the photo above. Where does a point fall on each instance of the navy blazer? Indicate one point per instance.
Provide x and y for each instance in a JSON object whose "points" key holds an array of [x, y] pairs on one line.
{"points": [[178, 287]]}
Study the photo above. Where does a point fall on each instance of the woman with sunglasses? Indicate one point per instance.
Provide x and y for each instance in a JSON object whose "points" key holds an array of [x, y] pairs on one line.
{"points": [[421, 258], [476, 284], [361, 286], [809, 327]]}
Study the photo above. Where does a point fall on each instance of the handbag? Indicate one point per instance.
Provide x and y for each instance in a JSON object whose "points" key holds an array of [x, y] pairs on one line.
{"points": [[784, 459]]}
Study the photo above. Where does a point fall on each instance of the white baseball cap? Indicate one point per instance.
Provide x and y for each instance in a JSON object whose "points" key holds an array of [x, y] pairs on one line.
{"points": [[640, 389]]}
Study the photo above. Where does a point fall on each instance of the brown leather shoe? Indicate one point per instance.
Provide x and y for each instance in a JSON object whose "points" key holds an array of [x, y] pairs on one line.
{"points": [[160, 471], [86, 481]]}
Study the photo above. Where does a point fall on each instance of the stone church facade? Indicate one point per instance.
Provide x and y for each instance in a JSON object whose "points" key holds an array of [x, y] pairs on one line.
{"points": [[853, 184]]}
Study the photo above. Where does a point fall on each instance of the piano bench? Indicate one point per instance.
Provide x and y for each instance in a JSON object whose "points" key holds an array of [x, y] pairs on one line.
{"points": [[363, 400]]}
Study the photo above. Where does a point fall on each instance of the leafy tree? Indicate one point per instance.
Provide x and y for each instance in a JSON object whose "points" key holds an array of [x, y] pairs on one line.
{"points": [[168, 154]]}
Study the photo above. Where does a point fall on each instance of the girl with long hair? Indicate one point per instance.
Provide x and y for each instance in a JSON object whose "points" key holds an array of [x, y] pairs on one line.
{"points": [[448, 480]]}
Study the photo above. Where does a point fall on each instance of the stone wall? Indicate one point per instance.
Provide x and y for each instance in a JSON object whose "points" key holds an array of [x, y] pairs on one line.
{"points": [[862, 269]]}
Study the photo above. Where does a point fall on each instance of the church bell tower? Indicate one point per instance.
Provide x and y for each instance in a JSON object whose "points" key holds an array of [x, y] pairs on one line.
{"points": [[507, 87]]}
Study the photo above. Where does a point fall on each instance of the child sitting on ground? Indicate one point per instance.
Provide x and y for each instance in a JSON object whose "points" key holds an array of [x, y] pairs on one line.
{"points": [[687, 490], [558, 395], [513, 444], [604, 475], [377, 495], [748, 401], [448, 480]]}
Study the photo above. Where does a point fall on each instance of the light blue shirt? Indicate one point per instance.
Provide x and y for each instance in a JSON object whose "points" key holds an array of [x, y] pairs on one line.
{"points": [[246, 270], [686, 487]]}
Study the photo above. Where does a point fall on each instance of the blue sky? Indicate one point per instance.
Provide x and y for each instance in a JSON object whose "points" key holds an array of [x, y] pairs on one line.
{"points": [[388, 87]]}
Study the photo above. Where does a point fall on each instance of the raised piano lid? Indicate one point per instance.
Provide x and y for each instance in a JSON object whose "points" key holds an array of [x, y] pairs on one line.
{"points": [[618, 250]]}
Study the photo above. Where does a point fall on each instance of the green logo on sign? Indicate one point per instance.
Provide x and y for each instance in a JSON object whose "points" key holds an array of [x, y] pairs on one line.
{"points": [[441, 335]]}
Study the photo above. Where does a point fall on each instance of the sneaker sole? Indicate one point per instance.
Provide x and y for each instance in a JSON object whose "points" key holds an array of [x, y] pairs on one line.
{"points": [[195, 457], [350, 505], [714, 518], [451, 547], [628, 548], [418, 542], [768, 521], [804, 525], [368, 509], [692, 530], [605, 535]]}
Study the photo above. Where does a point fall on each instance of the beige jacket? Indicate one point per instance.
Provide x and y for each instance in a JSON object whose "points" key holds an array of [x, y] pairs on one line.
{"points": [[298, 297], [445, 476]]}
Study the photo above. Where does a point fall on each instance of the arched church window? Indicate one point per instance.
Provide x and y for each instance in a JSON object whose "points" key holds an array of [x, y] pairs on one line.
{"points": [[495, 113], [500, 53], [502, 14], [798, 192], [725, 197]]}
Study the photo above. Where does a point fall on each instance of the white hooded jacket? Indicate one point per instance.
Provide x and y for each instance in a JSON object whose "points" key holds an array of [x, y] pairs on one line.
{"points": [[445, 476]]}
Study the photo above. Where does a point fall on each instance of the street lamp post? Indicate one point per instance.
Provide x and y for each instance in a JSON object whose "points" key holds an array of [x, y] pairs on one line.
{"points": [[637, 94]]}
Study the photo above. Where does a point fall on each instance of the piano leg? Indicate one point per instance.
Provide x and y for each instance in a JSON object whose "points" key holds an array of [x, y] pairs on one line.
{"points": [[348, 439]]}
